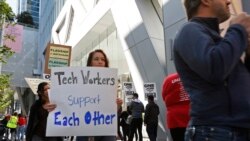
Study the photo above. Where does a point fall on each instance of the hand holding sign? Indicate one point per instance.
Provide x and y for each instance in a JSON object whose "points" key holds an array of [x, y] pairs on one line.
{"points": [[49, 107], [119, 102]]}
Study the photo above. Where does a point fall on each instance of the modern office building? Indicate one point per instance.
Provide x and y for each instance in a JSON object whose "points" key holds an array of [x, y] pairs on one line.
{"points": [[20, 66], [50, 10], [136, 35], [31, 6], [25, 63], [131, 34]]}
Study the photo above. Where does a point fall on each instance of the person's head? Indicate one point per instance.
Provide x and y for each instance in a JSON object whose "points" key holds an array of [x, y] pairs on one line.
{"points": [[135, 96], [150, 98], [42, 90], [97, 58], [208, 8], [15, 114]]}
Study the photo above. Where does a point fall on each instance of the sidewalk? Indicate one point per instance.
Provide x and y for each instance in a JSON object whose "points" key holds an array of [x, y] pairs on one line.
{"points": [[144, 134]]}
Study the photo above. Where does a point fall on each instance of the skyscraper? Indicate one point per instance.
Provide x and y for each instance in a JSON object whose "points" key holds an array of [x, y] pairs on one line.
{"points": [[31, 6]]}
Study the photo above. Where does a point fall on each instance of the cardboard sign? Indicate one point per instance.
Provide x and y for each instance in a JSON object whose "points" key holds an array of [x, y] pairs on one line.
{"points": [[128, 88], [86, 102], [57, 56], [150, 89]]}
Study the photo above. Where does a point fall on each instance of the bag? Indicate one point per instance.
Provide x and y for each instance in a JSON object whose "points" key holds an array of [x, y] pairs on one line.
{"points": [[129, 119]]}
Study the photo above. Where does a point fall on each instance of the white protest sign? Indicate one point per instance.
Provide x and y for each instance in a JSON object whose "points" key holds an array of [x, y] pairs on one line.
{"points": [[85, 99], [150, 89], [128, 89]]}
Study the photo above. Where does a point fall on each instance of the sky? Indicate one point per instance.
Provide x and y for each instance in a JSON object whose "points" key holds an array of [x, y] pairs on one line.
{"points": [[13, 5]]}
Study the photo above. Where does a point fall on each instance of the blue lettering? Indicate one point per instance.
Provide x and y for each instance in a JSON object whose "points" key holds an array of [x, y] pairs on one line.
{"points": [[70, 119], [64, 121], [109, 119], [70, 100], [76, 120], [83, 101], [56, 118], [99, 118], [87, 118], [67, 120]]}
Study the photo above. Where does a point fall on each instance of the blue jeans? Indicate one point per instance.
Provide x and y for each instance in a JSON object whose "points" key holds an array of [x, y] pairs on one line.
{"points": [[21, 132], [216, 133]]}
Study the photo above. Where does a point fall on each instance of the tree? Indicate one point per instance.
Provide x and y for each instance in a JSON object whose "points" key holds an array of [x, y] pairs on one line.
{"points": [[25, 17], [6, 14], [6, 93]]}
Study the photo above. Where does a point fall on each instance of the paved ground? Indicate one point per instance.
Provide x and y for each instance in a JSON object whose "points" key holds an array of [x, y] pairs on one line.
{"points": [[144, 133]]}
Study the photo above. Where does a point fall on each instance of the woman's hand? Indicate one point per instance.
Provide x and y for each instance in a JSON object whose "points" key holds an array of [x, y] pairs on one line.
{"points": [[119, 102], [49, 107]]}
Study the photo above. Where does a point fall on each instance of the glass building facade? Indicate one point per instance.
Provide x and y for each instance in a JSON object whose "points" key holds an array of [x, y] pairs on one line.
{"points": [[33, 9], [31, 6], [50, 9]]}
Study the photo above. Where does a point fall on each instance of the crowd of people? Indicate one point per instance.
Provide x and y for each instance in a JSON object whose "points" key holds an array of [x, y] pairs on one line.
{"points": [[13, 127], [36, 128], [207, 99]]}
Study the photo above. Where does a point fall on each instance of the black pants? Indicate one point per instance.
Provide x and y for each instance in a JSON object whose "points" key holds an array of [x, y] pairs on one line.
{"points": [[177, 134], [136, 124], [152, 131]]}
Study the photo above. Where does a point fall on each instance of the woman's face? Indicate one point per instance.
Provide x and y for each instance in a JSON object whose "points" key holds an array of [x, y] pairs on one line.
{"points": [[45, 91], [98, 60]]}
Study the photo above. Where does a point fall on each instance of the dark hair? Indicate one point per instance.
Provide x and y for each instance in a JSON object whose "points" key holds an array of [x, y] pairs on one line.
{"points": [[15, 114], [191, 7], [41, 86], [40, 90], [91, 54], [151, 97], [135, 95]]}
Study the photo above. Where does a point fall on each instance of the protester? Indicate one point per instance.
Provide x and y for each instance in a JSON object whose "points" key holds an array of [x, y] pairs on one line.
{"points": [[125, 126], [4, 132], [177, 104], [36, 128], [212, 71], [12, 125], [98, 58], [151, 118], [21, 127], [137, 108]]}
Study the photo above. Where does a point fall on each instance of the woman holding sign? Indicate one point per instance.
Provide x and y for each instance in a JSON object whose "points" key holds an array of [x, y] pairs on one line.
{"points": [[98, 58], [36, 129]]}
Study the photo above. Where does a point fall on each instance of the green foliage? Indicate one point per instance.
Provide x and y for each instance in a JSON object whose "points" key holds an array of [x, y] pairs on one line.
{"points": [[6, 13], [6, 93], [5, 53]]}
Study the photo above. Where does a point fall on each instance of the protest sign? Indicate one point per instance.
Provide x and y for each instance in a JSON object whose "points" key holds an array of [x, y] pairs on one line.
{"points": [[150, 89], [128, 89], [85, 99]]}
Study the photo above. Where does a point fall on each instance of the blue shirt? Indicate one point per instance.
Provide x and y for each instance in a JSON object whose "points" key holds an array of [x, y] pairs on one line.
{"points": [[214, 76]]}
